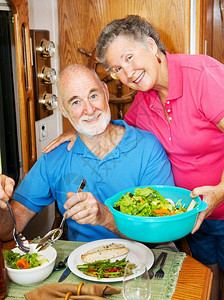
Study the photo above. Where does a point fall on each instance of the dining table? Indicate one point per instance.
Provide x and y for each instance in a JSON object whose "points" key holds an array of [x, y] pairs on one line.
{"points": [[185, 278]]}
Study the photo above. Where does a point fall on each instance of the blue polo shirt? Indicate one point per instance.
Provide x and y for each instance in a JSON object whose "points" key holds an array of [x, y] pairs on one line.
{"points": [[139, 159]]}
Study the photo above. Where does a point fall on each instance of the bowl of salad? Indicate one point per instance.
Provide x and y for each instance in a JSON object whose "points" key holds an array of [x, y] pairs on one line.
{"points": [[155, 214], [29, 268]]}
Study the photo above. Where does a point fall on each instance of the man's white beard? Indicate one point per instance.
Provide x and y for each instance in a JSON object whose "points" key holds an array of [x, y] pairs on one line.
{"points": [[93, 129]]}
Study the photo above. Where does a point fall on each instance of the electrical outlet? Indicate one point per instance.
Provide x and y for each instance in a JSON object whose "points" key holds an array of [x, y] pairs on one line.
{"points": [[43, 131]]}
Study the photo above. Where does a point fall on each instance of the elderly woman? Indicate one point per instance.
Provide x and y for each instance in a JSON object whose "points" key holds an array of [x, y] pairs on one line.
{"points": [[181, 100]]}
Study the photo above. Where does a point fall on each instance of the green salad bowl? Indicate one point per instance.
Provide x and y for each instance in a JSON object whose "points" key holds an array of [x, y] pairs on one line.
{"points": [[158, 229]]}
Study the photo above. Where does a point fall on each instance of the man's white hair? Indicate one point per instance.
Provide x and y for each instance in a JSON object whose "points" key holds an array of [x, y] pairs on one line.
{"points": [[73, 69]]}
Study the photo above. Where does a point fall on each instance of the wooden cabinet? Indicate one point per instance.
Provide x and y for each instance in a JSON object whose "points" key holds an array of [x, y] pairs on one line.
{"points": [[25, 82], [81, 22], [215, 29]]}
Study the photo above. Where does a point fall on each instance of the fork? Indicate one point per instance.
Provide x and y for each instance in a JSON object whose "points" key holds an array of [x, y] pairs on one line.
{"points": [[160, 272], [150, 271]]}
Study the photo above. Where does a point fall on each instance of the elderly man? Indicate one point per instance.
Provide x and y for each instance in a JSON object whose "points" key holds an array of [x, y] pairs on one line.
{"points": [[110, 155]]}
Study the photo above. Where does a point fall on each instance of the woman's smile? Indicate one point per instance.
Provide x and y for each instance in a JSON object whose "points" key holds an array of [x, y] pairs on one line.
{"points": [[139, 77]]}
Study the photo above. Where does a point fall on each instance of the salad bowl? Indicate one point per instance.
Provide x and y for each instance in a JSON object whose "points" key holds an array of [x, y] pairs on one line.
{"points": [[158, 229], [33, 275]]}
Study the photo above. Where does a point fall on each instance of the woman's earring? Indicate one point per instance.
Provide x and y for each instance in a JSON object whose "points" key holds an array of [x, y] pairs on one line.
{"points": [[114, 75], [158, 58]]}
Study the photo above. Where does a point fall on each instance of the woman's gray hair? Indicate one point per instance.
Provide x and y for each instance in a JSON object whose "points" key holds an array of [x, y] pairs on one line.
{"points": [[134, 27]]}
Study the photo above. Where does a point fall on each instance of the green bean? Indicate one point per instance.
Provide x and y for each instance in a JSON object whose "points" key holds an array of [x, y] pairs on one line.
{"points": [[104, 268]]}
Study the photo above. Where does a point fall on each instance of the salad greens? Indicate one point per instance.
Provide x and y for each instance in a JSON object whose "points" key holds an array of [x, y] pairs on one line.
{"points": [[23, 261], [104, 268], [147, 202]]}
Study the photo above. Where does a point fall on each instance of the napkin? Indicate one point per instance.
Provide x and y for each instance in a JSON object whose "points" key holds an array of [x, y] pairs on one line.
{"points": [[58, 291]]}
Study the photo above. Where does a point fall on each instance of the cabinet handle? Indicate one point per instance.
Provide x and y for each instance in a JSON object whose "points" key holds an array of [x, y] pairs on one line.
{"points": [[222, 11]]}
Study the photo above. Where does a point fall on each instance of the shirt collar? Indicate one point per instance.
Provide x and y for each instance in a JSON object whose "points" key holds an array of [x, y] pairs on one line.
{"points": [[175, 77]]}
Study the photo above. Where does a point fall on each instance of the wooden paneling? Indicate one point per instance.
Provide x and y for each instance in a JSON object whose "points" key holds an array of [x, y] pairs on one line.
{"points": [[201, 23], [218, 31], [25, 82], [81, 22], [213, 29]]}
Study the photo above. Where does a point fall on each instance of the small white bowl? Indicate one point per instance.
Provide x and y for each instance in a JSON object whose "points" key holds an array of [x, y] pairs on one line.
{"points": [[34, 275]]}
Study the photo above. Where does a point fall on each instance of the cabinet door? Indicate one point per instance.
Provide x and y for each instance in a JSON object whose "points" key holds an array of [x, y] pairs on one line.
{"points": [[25, 80], [215, 29], [81, 22]]}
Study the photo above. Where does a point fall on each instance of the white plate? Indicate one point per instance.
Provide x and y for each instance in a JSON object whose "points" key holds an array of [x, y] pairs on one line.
{"points": [[138, 253]]}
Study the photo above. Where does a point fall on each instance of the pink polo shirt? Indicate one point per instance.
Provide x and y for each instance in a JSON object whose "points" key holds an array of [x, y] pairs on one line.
{"points": [[195, 103]]}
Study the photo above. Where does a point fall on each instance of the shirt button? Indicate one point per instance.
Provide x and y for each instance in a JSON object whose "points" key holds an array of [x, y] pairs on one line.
{"points": [[170, 118], [168, 110], [168, 102], [169, 138]]}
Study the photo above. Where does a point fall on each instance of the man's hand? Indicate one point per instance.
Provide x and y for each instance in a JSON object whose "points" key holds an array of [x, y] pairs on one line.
{"points": [[84, 208], [6, 190], [64, 137], [213, 196]]}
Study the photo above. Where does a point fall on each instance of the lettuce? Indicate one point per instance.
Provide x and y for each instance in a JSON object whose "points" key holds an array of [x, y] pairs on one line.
{"points": [[34, 259], [144, 202]]}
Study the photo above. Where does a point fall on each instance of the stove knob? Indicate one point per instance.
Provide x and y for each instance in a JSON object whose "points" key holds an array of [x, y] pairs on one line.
{"points": [[48, 75], [47, 48], [49, 101]]}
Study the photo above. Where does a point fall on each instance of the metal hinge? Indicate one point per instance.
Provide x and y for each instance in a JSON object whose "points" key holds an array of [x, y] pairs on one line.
{"points": [[11, 19], [21, 164]]}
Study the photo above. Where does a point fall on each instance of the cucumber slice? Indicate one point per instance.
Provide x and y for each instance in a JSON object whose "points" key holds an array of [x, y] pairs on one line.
{"points": [[191, 205]]}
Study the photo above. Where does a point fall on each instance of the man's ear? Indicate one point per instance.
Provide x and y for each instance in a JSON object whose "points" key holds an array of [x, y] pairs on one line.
{"points": [[61, 108], [106, 90]]}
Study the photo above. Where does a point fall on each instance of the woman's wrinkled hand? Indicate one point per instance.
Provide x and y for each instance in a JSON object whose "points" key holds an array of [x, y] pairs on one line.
{"points": [[64, 137], [213, 196], [6, 190]]}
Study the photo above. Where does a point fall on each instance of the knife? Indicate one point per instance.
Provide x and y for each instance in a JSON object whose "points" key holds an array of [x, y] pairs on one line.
{"points": [[64, 275]]}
